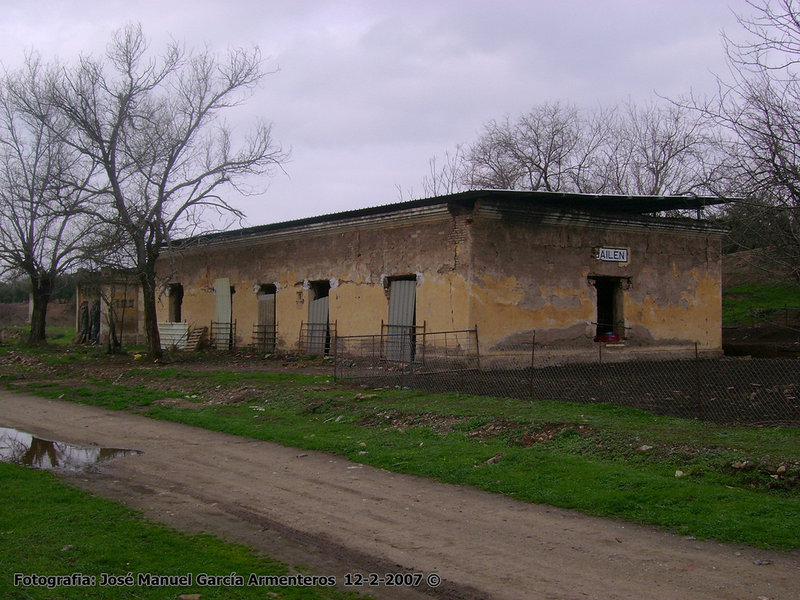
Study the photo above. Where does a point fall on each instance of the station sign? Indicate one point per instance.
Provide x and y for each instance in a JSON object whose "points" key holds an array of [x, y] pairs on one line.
{"points": [[612, 254]]}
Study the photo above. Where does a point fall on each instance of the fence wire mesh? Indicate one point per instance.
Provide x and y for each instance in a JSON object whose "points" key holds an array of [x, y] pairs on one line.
{"points": [[721, 389], [405, 351]]}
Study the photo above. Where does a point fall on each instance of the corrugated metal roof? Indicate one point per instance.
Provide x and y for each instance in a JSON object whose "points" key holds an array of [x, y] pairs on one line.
{"points": [[609, 204]]}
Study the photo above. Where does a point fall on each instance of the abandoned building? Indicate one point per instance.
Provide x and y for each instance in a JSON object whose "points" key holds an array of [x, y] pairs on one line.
{"points": [[576, 269], [108, 307]]}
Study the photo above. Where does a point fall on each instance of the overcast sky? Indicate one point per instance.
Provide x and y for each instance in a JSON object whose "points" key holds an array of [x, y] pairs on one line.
{"points": [[366, 91]]}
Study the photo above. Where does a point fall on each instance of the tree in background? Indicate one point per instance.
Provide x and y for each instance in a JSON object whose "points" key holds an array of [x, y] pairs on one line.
{"points": [[45, 221], [656, 149], [152, 124], [758, 108]]}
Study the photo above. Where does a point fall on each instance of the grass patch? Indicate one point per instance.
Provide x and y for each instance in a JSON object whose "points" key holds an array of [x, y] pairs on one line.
{"points": [[737, 484], [67, 531], [55, 335], [751, 303], [603, 469]]}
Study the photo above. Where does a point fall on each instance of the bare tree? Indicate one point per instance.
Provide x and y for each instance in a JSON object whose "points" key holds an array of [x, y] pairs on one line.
{"points": [[447, 176], [541, 150], [488, 162], [657, 150], [153, 125], [758, 105], [651, 150], [45, 228]]}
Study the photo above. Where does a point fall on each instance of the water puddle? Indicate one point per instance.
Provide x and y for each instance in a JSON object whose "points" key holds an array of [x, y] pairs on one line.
{"points": [[25, 449]]}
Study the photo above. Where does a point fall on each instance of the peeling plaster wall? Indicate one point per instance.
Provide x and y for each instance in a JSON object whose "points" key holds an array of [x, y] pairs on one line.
{"points": [[508, 274], [534, 275], [360, 260]]}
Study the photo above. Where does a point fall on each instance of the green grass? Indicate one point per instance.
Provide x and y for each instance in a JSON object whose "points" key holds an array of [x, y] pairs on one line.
{"points": [[48, 528], [752, 303], [594, 465], [56, 335], [601, 459]]}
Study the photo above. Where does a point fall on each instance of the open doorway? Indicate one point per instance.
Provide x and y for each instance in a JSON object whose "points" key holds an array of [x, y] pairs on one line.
{"points": [[610, 303], [175, 295]]}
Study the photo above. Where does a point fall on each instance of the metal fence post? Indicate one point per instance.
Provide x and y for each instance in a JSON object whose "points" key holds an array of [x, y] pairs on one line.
{"points": [[477, 348], [335, 357], [697, 382], [424, 333], [533, 357], [411, 345]]}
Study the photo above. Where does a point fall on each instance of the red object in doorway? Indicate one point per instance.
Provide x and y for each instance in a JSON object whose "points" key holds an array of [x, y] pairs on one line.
{"points": [[607, 337]]}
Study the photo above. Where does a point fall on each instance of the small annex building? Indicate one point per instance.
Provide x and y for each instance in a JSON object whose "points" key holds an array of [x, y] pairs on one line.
{"points": [[108, 307], [573, 268]]}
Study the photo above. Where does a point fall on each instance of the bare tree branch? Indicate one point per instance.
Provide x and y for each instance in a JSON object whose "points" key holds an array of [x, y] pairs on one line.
{"points": [[153, 124]]}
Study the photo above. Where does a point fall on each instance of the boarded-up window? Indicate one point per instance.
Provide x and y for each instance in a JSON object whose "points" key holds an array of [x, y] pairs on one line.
{"points": [[401, 327]]}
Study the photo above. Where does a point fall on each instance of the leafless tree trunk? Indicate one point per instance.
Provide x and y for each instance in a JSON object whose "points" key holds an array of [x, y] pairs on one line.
{"points": [[152, 123], [44, 220]]}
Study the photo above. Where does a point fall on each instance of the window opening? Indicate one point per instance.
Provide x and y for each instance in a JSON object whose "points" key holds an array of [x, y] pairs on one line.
{"points": [[266, 329]]}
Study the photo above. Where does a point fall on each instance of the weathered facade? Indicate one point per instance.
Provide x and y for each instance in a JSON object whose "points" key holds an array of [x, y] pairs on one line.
{"points": [[109, 307], [573, 268]]}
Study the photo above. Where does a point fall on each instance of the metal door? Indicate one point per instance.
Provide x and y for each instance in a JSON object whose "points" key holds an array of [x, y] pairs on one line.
{"points": [[318, 330], [266, 322], [402, 319], [222, 291]]}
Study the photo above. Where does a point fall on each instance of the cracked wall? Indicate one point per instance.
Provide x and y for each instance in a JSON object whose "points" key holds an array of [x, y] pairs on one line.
{"points": [[361, 260], [508, 275], [538, 276]]}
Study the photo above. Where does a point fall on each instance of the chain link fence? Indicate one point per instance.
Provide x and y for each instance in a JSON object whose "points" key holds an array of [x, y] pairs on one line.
{"points": [[741, 390]]}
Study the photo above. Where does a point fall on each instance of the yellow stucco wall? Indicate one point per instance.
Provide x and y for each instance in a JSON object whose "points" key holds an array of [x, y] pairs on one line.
{"points": [[509, 277], [539, 279], [357, 264]]}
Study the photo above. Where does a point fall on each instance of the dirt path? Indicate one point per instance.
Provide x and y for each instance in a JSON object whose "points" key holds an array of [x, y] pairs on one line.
{"points": [[332, 517]]}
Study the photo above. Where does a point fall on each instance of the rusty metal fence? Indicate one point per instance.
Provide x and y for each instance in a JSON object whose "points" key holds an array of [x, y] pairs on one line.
{"points": [[405, 351], [223, 335], [721, 389], [264, 337]]}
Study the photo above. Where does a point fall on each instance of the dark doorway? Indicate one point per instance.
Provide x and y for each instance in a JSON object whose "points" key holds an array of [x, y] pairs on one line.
{"points": [[175, 293], [610, 318]]}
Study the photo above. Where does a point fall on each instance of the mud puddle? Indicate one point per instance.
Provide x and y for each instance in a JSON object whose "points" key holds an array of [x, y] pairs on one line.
{"points": [[24, 448]]}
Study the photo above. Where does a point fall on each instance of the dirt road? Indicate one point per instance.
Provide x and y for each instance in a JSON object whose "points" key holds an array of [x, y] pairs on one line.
{"points": [[333, 517]]}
